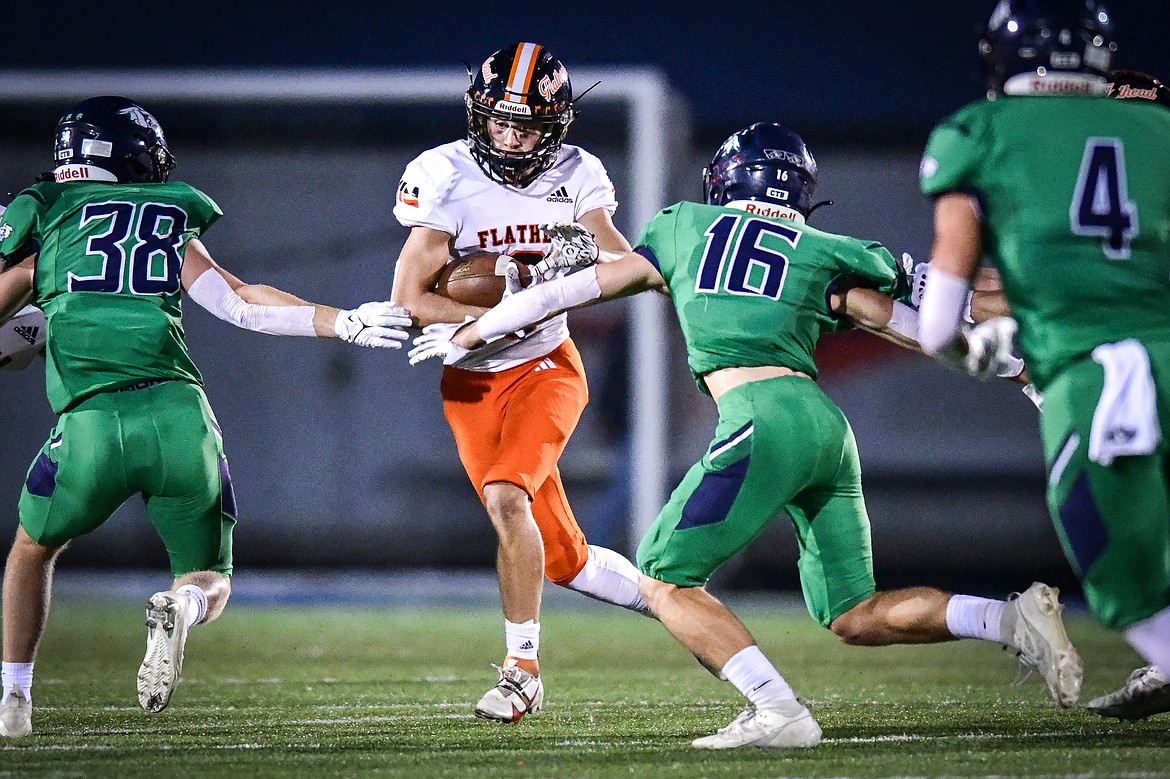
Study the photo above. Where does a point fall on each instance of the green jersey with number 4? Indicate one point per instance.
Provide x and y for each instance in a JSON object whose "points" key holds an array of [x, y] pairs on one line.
{"points": [[752, 290], [107, 278], [1075, 193]]}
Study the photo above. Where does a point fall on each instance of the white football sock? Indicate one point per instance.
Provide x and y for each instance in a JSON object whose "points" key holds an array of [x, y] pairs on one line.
{"points": [[1151, 639], [971, 617], [609, 577], [756, 677], [522, 639], [18, 675], [196, 603]]}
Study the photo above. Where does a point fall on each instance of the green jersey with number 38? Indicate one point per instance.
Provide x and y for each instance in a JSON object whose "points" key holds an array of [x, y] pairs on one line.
{"points": [[107, 278], [1075, 193], [752, 290]]}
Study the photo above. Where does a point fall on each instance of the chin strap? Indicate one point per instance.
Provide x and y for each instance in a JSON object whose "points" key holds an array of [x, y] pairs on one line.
{"points": [[816, 206]]}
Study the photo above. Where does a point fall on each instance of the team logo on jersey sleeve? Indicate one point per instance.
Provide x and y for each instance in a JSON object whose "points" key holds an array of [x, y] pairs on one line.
{"points": [[407, 195], [928, 167], [5, 231]]}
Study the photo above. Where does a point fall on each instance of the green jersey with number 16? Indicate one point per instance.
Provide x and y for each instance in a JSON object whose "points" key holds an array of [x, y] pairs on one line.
{"points": [[107, 278], [752, 290], [1075, 193]]}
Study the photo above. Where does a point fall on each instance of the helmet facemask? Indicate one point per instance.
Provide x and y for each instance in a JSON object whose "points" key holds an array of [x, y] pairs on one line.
{"points": [[523, 84]]}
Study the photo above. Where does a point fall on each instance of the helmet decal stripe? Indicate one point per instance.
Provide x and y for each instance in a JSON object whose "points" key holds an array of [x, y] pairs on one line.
{"points": [[520, 79]]}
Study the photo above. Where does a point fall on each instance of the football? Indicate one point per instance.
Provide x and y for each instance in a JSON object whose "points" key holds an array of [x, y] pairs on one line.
{"points": [[477, 279]]}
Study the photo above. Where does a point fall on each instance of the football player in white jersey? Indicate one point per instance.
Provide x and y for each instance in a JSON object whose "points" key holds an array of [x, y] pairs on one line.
{"points": [[512, 412]]}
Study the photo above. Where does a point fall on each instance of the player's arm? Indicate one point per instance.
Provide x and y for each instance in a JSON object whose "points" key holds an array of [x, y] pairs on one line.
{"points": [[630, 274], [422, 258], [879, 314], [266, 309], [954, 256], [896, 322], [608, 238]]}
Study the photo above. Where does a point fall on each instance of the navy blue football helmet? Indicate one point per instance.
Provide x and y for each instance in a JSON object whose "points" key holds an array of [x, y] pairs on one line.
{"points": [[766, 162], [113, 135], [1037, 38], [523, 83]]}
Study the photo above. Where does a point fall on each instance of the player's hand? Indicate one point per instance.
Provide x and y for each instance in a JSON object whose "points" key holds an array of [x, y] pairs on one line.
{"points": [[916, 272], [378, 325], [510, 270], [989, 348], [572, 247], [435, 343]]}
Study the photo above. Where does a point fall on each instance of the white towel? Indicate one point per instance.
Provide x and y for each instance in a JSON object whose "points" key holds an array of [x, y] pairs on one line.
{"points": [[1126, 420]]}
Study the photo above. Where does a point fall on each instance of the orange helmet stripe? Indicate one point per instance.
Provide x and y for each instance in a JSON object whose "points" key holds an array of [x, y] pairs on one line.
{"points": [[520, 79]]}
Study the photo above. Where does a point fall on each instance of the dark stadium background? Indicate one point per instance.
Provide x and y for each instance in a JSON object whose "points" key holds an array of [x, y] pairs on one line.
{"points": [[341, 458]]}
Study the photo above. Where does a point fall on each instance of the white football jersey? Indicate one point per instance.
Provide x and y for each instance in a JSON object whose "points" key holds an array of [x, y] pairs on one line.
{"points": [[445, 189]]}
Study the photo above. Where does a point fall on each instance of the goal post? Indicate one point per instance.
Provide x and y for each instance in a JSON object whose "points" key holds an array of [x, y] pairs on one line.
{"points": [[650, 110]]}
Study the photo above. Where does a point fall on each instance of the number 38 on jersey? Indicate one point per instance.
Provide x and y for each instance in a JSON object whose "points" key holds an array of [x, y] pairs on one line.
{"points": [[138, 247]]}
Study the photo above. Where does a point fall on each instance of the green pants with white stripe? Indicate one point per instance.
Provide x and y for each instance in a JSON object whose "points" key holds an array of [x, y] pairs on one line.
{"points": [[1113, 521], [160, 442], [781, 446]]}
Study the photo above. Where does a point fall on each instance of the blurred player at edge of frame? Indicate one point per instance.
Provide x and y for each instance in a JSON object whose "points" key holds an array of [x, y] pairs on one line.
{"points": [[1074, 211], [512, 411], [754, 286], [105, 248]]}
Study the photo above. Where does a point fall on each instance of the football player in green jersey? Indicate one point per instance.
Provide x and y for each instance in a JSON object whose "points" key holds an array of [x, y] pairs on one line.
{"points": [[754, 286], [1069, 195], [105, 250]]}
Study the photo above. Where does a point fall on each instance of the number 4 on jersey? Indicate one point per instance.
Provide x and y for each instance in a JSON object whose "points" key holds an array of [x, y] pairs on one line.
{"points": [[1101, 205]]}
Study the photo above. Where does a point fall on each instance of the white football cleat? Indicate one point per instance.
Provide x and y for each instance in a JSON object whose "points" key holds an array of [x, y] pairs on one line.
{"points": [[1146, 692], [516, 694], [784, 725], [15, 715], [166, 633], [1036, 632]]}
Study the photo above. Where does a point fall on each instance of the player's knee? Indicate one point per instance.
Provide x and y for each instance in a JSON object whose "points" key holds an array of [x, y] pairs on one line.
{"points": [[860, 626], [508, 505], [42, 550], [655, 592]]}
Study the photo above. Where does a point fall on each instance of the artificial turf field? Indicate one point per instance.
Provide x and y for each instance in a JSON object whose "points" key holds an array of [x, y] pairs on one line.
{"points": [[346, 691]]}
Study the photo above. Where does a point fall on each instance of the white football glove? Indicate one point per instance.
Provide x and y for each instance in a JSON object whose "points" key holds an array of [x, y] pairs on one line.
{"points": [[989, 349], [572, 247], [435, 342], [510, 270], [916, 272], [378, 325]]}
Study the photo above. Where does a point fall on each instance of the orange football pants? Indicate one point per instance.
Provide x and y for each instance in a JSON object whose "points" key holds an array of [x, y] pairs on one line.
{"points": [[512, 426]]}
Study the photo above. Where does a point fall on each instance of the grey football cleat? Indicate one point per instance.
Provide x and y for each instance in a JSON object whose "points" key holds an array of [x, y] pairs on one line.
{"points": [[516, 694], [15, 715], [1146, 692], [784, 725], [1034, 629], [166, 633]]}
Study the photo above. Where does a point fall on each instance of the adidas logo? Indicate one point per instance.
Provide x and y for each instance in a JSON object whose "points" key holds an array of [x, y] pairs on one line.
{"points": [[526, 645], [544, 365], [27, 332], [560, 196]]}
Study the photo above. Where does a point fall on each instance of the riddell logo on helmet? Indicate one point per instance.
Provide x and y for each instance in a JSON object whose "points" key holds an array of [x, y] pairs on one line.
{"points": [[516, 109], [71, 173], [1041, 86], [762, 209]]}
